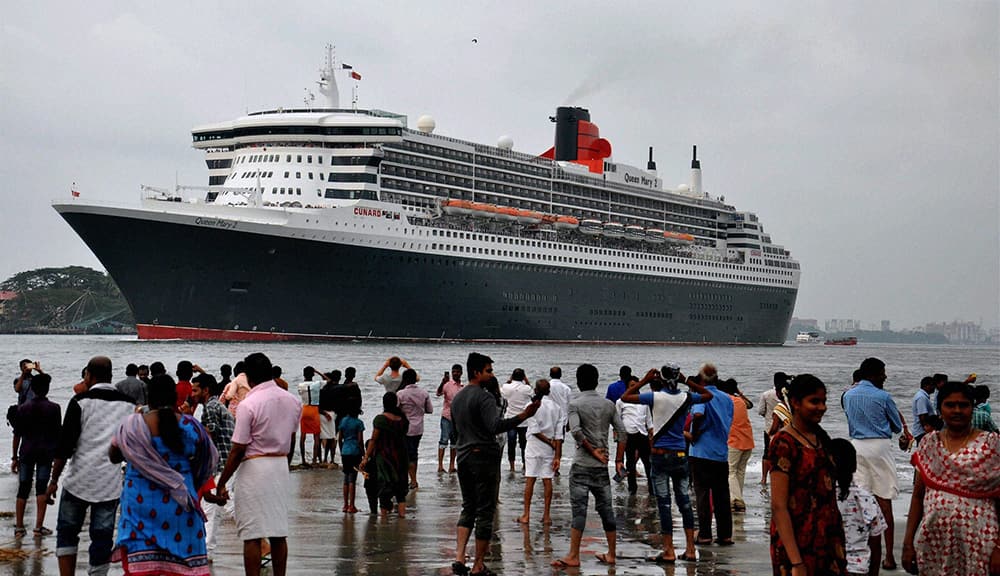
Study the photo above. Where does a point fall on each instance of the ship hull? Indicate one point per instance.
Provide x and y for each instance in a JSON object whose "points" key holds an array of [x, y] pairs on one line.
{"points": [[203, 283]]}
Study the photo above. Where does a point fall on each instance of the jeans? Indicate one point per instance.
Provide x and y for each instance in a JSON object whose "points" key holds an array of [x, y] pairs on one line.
{"points": [[72, 511], [520, 435], [448, 434], [479, 479], [584, 481], [711, 486], [667, 469], [30, 469], [636, 450]]}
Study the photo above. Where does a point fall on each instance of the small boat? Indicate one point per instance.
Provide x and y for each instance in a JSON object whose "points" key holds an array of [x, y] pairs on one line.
{"points": [[849, 341], [457, 207], [506, 213], [613, 230], [654, 235], [635, 232], [678, 238], [591, 227], [566, 223], [483, 210], [528, 216], [807, 338]]}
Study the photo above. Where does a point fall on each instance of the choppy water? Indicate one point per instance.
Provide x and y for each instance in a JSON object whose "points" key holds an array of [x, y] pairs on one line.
{"points": [[323, 539]]}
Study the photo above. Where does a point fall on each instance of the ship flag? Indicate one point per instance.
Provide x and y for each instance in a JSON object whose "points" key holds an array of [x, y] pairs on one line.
{"points": [[346, 66], [355, 75], [73, 191]]}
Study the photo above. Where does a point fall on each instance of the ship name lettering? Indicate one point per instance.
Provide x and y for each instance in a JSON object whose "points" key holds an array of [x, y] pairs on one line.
{"points": [[643, 180], [215, 223], [368, 212]]}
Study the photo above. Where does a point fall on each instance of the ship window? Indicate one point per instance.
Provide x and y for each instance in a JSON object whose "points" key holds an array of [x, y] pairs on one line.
{"points": [[282, 191], [286, 174], [310, 175], [288, 158], [321, 176], [274, 190], [298, 174], [319, 159], [309, 159], [298, 158], [298, 191]]}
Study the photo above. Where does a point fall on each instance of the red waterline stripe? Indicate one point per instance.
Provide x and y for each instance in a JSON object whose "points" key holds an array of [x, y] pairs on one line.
{"points": [[158, 332]]}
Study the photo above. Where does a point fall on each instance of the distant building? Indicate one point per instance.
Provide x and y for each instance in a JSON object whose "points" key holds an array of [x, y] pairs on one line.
{"points": [[5, 297], [958, 332], [839, 325], [885, 326]]}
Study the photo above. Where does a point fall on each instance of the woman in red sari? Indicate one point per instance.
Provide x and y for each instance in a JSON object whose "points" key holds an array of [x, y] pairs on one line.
{"points": [[807, 535], [952, 527]]}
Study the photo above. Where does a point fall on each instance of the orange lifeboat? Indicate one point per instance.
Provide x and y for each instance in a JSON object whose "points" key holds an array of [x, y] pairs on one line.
{"points": [[549, 218], [528, 216], [678, 238], [483, 210], [567, 223], [457, 207], [506, 213]]}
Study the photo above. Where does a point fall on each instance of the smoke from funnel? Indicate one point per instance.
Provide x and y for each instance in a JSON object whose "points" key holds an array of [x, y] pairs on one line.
{"points": [[589, 86]]}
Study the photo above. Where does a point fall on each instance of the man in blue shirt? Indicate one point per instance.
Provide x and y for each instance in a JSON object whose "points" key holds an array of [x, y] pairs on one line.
{"points": [[709, 457], [616, 389], [669, 462], [872, 419], [924, 414]]}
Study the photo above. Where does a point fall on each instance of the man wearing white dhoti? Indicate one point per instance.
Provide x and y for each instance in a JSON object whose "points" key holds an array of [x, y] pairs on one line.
{"points": [[265, 420]]}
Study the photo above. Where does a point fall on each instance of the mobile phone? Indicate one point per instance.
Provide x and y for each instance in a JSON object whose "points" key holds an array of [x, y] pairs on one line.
{"points": [[29, 366]]}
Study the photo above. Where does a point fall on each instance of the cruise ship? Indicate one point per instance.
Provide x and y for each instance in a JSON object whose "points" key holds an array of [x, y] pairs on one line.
{"points": [[330, 222]]}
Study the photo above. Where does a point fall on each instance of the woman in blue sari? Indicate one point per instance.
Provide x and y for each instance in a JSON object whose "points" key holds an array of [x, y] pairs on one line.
{"points": [[170, 456]]}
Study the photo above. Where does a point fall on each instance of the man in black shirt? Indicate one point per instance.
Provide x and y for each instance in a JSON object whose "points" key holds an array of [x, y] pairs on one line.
{"points": [[478, 420]]}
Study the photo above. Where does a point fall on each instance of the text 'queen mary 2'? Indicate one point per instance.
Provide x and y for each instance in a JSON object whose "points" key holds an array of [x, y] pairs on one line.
{"points": [[345, 223]]}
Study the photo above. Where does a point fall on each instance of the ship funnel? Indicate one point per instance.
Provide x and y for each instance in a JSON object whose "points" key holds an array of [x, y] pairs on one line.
{"points": [[695, 173], [651, 166], [569, 122]]}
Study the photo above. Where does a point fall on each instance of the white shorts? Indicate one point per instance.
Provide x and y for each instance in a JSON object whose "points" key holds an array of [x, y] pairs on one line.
{"points": [[538, 467], [327, 428], [876, 467]]}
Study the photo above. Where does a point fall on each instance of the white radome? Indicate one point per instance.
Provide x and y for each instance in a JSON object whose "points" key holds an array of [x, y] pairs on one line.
{"points": [[426, 124], [683, 188], [505, 142]]}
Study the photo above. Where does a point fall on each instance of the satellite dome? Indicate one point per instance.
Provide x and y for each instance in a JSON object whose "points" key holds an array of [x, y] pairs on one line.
{"points": [[683, 188], [505, 142], [426, 124]]}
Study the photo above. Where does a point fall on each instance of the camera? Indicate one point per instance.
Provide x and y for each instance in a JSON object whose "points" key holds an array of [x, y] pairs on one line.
{"points": [[29, 366]]}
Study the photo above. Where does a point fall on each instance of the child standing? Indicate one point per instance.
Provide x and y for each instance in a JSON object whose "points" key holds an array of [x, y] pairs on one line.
{"points": [[351, 438], [863, 519]]}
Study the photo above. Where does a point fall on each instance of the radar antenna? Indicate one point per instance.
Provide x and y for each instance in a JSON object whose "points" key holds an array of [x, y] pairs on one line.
{"points": [[327, 82]]}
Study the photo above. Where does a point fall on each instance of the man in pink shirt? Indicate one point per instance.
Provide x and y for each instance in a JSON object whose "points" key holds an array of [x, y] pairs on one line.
{"points": [[265, 420], [414, 402], [450, 385], [236, 390]]}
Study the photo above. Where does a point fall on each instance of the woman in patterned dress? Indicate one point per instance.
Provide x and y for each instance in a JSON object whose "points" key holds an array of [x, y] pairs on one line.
{"points": [[807, 535], [952, 527], [387, 453], [169, 455]]}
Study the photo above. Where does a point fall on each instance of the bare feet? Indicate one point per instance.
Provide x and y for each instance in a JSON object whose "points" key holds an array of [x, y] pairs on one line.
{"points": [[605, 558], [523, 519], [566, 562], [546, 520]]}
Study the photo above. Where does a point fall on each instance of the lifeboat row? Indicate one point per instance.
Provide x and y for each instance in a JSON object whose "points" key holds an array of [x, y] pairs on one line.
{"points": [[508, 214], [633, 232], [588, 226]]}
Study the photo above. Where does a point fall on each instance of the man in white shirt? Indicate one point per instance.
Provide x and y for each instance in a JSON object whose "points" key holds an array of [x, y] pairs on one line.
{"points": [[561, 394], [542, 451], [518, 394], [638, 421], [309, 424]]}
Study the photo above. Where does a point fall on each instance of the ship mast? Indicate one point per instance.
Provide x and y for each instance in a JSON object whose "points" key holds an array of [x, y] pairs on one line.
{"points": [[327, 82]]}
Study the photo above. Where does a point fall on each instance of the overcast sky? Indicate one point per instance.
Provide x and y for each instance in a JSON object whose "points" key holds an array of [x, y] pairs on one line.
{"points": [[866, 135]]}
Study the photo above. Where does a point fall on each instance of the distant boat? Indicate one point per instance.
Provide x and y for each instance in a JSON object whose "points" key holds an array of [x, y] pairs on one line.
{"points": [[849, 341], [807, 338]]}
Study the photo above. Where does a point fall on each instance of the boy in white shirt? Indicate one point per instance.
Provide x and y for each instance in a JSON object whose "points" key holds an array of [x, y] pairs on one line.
{"points": [[542, 451]]}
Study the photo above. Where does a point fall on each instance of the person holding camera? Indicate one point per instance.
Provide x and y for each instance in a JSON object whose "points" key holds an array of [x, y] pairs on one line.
{"points": [[668, 459], [22, 384]]}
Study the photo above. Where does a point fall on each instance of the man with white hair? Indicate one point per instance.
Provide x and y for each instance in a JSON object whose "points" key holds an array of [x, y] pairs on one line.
{"points": [[709, 458]]}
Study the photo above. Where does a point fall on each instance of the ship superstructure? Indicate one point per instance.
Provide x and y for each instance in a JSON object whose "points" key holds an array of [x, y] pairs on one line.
{"points": [[354, 225]]}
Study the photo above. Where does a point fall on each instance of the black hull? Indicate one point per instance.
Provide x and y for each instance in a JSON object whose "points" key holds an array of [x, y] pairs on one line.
{"points": [[233, 285]]}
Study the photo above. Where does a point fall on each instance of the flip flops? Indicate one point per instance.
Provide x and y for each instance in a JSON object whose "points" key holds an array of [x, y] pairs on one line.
{"points": [[659, 559], [43, 531]]}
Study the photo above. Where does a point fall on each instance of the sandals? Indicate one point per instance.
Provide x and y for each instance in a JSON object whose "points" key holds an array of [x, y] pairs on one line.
{"points": [[686, 558], [43, 531], [20, 531], [659, 559], [459, 568]]}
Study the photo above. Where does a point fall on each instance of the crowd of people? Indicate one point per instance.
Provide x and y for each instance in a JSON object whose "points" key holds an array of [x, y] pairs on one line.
{"points": [[158, 460]]}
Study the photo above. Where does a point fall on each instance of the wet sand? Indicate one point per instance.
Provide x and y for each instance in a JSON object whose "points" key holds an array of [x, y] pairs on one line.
{"points": [[325, 540]]}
